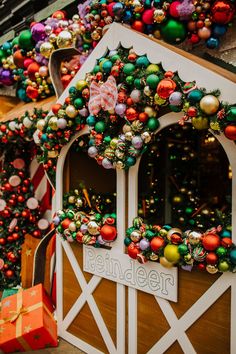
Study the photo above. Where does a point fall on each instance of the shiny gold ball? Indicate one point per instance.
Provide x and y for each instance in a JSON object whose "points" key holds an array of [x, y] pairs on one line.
{"points": [[52, 123], [209, 104], [71, 111], [64, 39], [46, 49]]}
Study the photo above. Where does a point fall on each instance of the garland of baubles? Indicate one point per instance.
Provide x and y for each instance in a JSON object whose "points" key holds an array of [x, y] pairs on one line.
{"points": [[24, 60], [120, 100], [87, 217], [212, 250]]}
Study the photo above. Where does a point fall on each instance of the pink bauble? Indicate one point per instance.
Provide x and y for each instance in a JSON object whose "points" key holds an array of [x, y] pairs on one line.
{"points": [[148, 16], [32, 203], [43, 71], [173, 9], [204, 33]]}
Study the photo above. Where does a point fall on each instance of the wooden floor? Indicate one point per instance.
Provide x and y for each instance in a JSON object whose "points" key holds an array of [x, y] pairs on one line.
{"points": [[63, 347]]}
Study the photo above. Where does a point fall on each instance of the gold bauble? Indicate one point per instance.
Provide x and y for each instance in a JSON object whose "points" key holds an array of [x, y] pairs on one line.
{"points": [[52, 38], [211, 269], [52, 154], [200, 123], [64, 39], [158, 100], [71, 111], [113, 143], [126, 128], [52, 123], [81, 84], [209, 104], [165, 263], [40, 124], [150, 111], [71, 199], [46, 49]]}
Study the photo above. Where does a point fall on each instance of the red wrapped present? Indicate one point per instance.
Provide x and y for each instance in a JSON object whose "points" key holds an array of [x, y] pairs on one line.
{"points": [[26, 321]]}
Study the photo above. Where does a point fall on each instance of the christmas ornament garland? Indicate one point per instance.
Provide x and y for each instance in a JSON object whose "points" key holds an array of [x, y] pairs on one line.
{"points": [[24, 60], [121, 100], [87, 218], [20, 213], [212, 250]]}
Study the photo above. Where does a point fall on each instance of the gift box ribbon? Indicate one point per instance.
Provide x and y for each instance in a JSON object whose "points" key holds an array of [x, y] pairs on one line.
{"points": [[16, 316]]}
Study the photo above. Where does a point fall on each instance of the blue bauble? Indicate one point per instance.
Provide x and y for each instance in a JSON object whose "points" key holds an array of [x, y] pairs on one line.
{"points": [[118, 9], [225, 233], [148, 29], [212, 43], [91, 121], [219, 30], [6, 46], [127, 16], [142, 61]]}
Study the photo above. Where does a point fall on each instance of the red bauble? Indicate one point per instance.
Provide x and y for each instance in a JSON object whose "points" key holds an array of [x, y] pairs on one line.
{"points": [[138, 26], [21, 199], [9, 273], [18, 59], [108, 232], [15, 236], [6, 213], [173, 9], [143, 117], [165, 88], [176, 239], [10, 239], [230, 132], [32, 92], [33, 68], [59, 14], [156, 243], [56, 107], [7, 187], [210, 242], [37, 233], [133, 250], [201, 266], [194, 38], [211, 258], [226, 242], [2, 241], [131, 114], [222, 11], [65, 223]]}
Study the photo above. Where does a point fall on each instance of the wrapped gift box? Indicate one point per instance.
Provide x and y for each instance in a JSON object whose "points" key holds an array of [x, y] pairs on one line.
{"points": [[26, 321]]}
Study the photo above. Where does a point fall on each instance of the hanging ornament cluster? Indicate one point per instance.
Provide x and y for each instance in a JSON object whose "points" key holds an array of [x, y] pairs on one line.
{"points": [[172, 21], [69, 69], [20, 214], [120, 101], [212, 250], [87, 218]]}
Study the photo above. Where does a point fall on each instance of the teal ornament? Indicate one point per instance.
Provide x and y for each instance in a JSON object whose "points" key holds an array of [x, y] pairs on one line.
{"points": [[152, 81], [72, 90], [130, 161], [225, 233], [195, 96], [96, 69], [167, 227], [100, 127], [173, 32], [127, 241], [90, 120], [142, 61], [6, 46], [106, 66], [231, 114], [78, 103], [149, 234], [138, 83], [175, 108], [232, 256], [129, 231], [44, 138], [129, 68], [153, 124]]}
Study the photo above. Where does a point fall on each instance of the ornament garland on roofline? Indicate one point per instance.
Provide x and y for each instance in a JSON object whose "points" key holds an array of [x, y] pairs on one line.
{"points": [[212, 250], [120, 101], [24, 60]]}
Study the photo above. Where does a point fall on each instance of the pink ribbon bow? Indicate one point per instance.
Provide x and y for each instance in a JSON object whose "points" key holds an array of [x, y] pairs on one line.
{"points": [[103, 96]]}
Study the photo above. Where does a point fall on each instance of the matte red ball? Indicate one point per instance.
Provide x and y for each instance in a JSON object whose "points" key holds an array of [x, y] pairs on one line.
{"points": [[156, 243], [133, 250], [66, 79], [108, 232], [173, 9], [230, 132], [211, 258], [147, 16], [210, 242], [138, 26], [201, 266]]}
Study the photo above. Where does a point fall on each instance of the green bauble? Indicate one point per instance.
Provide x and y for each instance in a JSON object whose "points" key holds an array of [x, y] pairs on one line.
{"points": [[96, 69], [142, 61], [149, 234], [183, 249], [98, 217], [138, 83], [106, 66], [25, 40], [100, 127], [129, 68], [221, 251], [15, 41], [86, 46], [173, 31], [231, 115], [152, 81], [78, 103], [223, 266], [115, 57], [175, 108], [129, 79], [2, 55], [153, 124]]}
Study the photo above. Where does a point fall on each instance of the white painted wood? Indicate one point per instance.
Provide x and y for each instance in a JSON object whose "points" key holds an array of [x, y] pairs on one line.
{"points": [[233, 317], [132, 321], [120, 318], [59, 292]]}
